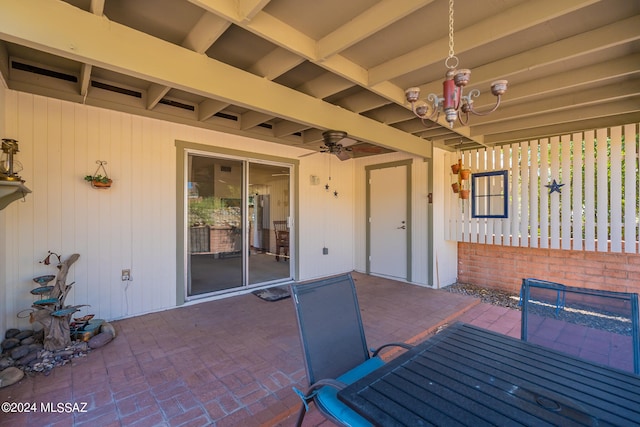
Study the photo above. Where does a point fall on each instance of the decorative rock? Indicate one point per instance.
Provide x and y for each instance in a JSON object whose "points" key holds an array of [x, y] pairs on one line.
{"points": [[10, 376], [27, 341], [19, 352], [108, 328], [36, 346], [24, 334], [10, 343], [64, 354], [11, 333], [25, 360], [99, 340], [5, 362]]}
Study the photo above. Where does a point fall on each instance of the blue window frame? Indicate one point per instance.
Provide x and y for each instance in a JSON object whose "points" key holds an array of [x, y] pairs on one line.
{"points": [[490, 194]]}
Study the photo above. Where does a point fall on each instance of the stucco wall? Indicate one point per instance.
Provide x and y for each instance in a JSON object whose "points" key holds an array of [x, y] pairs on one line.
{"points": [[504, 267]]}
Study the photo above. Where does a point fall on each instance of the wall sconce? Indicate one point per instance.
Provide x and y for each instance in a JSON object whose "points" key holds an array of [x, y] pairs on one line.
{"points": [[11, 185], [9, 167]]}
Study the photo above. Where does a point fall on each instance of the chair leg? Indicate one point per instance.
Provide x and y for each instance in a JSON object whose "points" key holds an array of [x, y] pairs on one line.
{"points": [[301, 414]]}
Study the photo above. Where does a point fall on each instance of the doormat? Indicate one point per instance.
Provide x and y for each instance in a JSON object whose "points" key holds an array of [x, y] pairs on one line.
{"points": [[273, 294]]}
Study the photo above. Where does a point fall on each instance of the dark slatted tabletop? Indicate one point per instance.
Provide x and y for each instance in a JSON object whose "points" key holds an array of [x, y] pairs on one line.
{"points": [[470, 376]]}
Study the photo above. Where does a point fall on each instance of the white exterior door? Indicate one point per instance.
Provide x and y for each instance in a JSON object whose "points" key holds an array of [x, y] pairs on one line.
{"points": [[388, 221]]}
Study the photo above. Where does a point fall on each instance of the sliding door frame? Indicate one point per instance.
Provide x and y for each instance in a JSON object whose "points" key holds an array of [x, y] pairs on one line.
{"points": [[183, 148]]}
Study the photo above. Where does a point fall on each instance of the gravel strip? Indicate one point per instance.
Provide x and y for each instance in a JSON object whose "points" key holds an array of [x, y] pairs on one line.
{"points": [[486, 295]]}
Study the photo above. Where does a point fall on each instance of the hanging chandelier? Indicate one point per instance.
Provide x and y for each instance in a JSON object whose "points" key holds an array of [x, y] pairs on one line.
{"points": [[453, 103]]}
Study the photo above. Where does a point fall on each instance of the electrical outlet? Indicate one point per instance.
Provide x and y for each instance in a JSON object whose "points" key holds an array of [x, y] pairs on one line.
{"points": [[126, 275], [325, 251]]}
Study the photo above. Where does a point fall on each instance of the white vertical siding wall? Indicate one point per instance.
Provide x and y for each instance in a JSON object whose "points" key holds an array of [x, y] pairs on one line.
{"points": [[596, 208], [133, 224]]}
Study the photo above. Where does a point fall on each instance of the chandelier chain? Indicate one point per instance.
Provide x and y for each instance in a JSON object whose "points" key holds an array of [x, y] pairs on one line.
{"points": [[451, 51], [452, 60]]}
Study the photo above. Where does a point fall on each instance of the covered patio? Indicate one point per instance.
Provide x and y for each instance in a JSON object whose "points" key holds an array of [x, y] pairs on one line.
{"points": [[228, 362]]}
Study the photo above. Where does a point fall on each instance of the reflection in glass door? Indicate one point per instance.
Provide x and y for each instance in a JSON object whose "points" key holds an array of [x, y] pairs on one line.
{"points": [[269, 232], [238, 224], [214, 211]]}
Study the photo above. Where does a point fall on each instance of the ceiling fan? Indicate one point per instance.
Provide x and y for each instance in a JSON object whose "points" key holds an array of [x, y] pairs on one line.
{"points": [[340, 144], [332, 144]]}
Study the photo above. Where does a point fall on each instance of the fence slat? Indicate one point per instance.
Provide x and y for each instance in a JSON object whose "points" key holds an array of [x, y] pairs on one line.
{"points": [[565, 192], [544, 195], [524, 195], [602, 197], [589, 192], [630, 185], [534, 190], [555, 196], [576, 186], [615, 185]]}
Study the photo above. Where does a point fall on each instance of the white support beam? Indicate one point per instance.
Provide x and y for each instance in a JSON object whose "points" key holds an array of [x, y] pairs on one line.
{"points": [[206, 31], [155, 93], [252, 119], [626, 106], [372, 20], [275, 63], [209, 107], [285, 128]]}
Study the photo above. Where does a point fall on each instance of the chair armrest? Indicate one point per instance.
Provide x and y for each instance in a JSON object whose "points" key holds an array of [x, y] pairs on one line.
{"points": [[391, 344]]}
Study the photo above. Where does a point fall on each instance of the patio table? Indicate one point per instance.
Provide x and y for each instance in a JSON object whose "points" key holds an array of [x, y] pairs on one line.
{"points": [[470, 376]]}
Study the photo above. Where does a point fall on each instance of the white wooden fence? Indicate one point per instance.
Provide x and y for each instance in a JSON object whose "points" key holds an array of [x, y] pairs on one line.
{"points": [[595, 210]]}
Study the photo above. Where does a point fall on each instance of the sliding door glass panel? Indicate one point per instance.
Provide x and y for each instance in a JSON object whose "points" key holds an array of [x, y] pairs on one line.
{"points": [[215, 224], [269, 234]]}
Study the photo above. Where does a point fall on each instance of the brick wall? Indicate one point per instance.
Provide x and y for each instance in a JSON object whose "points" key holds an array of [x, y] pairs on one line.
{"points": [[504, 267]]}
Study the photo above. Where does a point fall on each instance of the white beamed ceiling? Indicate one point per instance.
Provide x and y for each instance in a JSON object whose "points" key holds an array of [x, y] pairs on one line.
{"points": [[286, 70]]}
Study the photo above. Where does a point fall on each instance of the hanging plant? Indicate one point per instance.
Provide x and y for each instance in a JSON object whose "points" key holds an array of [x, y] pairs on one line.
{"points": [[98, 180]]}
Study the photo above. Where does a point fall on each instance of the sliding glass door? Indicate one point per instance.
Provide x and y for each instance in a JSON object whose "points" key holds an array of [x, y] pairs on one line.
{"points": [[238, 214]]}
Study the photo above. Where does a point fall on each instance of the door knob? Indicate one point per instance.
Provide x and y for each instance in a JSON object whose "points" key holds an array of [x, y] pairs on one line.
{"points": [[402, 227]]}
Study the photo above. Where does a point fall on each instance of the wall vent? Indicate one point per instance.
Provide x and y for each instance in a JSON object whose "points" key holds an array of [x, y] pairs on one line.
{"points": [[43, 71], [226, 116], [177, 104], [266, 125], [116, 89], [225, 168]]}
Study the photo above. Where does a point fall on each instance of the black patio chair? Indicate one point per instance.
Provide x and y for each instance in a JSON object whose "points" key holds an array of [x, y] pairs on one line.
{"points": [[334, 346], [601, 326]]}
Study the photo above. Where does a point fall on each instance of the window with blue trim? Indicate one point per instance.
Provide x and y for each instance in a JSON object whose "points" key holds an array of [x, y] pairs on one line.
{"points": [[490, 194]]}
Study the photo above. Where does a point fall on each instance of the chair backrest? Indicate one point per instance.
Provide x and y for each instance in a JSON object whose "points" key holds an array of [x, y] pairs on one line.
{"points": [[331, 331], [601, 326], [280, 226]]}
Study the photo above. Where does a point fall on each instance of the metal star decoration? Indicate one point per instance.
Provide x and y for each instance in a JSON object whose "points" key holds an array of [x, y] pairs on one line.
{"points": [[554, 186]]}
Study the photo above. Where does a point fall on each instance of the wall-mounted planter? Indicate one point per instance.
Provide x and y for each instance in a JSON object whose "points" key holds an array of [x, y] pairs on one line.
{"points": [[100, 182], [455, 187], [97, 180], [464, 194], [465, 174]]}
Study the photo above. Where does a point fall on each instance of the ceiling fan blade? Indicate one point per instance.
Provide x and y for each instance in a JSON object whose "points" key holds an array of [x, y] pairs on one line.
{"points": [[343, 155]]}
